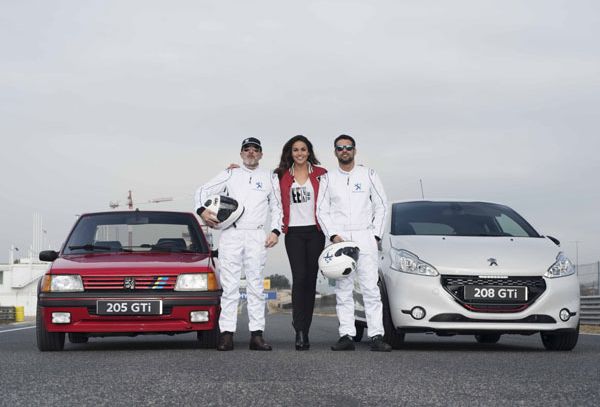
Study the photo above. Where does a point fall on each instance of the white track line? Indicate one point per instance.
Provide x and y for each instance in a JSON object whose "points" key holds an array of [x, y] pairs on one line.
{"points": [[17, 329]]}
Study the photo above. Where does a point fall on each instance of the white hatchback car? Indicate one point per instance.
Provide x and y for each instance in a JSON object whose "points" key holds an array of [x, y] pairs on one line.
{"points": [[476, 268]]}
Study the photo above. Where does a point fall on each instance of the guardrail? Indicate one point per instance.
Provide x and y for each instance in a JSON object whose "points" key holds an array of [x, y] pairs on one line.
{"points": [[590, 310], [7, 314]]}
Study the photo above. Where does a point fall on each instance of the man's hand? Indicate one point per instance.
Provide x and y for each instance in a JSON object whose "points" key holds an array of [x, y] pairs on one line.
{"points": [[210, 218], [337, 239], [272, 240]]}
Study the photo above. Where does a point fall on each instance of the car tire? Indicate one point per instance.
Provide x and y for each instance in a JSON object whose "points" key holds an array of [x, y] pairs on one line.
{"points": [[360, 331], [487, 338], [47, 341], [562, 341], [78, 338], [391, 336], [209, 339]]}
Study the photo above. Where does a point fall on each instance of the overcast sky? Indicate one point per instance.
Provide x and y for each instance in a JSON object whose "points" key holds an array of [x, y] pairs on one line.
{"points": [[485, 100]]}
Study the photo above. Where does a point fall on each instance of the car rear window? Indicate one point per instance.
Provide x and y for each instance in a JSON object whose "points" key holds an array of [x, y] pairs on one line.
{"points": [[458, 219], [136, 232]]}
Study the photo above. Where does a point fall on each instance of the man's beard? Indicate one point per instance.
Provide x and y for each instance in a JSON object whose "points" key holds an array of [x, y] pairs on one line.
{"points": [[345, 161], [251, 163]]}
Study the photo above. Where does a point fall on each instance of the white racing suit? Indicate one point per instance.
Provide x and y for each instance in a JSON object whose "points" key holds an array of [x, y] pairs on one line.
{"points": [[353, 205], [243, 244]]}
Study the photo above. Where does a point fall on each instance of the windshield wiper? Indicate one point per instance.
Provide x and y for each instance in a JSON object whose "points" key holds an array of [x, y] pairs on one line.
{"points": [[89, 247], [171, 249], [163, 248]]}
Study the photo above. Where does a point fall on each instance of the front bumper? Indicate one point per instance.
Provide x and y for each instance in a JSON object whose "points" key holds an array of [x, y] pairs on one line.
{"points": [[445, 314], [174, 318]]}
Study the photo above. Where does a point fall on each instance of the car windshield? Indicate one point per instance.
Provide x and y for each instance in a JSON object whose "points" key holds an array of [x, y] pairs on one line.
{"points": [[458, 219], [136, 232]]}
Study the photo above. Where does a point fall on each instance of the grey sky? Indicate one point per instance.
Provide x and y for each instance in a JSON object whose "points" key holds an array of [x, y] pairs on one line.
{"points": [[486, 100]]}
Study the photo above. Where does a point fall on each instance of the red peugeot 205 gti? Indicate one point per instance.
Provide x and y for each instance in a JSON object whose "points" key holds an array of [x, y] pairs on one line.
{"points": [[126, 274]]}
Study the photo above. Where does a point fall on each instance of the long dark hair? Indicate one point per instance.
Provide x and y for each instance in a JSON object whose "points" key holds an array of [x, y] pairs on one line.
{"points": [[287, 161]]}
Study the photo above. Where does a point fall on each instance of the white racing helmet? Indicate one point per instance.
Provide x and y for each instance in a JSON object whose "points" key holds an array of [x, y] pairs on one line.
{"points": [[339, 260], [227, 209]]}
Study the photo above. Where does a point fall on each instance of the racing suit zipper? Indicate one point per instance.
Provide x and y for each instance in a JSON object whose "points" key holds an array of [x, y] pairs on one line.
{"points": [[349, 199]]}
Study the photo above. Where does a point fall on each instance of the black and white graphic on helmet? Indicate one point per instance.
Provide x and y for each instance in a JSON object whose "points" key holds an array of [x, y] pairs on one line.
{"points": [[351, 251], [339, 260], [226, 209]]}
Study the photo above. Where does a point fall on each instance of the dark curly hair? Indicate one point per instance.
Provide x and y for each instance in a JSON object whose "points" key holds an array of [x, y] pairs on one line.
{"points": [[287, 161]]}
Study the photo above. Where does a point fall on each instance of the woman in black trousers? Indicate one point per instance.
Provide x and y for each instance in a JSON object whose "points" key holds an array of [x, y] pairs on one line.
{"points": [[299, 173]]}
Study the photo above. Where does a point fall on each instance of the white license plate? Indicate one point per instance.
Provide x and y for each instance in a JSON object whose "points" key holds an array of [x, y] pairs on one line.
{"points": [[129, 307], [495, 293]]}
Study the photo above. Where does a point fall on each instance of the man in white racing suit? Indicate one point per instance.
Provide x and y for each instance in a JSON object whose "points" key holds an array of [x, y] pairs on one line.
{"points": [[244, 245], [352, 206]]}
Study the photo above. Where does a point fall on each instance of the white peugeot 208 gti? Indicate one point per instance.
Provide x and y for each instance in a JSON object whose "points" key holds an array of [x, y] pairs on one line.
{"points": [[475, 268]]}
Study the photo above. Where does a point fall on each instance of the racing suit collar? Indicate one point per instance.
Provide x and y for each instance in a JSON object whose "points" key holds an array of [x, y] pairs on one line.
{"points": [[346, 172], [247, 169]]}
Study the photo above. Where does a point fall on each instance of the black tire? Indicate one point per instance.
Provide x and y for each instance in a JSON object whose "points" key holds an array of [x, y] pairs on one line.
{"points": [[208, 339], [47, 341], [487, 338], [78, 338], [391, 336], [360, 331], [560, 340]]}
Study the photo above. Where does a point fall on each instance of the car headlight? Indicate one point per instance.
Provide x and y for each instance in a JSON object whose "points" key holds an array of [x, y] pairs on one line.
{"points": [[407, 262], [562, 267], [192, 282], [62, 283]]}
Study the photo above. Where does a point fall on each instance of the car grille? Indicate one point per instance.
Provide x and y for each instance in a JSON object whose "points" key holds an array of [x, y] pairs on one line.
{"points": [[125, 283], [455, 286]]}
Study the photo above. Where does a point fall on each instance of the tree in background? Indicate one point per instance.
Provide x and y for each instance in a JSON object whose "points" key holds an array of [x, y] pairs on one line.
{"points": [[279, 281]]}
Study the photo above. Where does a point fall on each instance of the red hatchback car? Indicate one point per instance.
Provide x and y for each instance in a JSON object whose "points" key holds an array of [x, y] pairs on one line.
{"points": [[129, 273]]}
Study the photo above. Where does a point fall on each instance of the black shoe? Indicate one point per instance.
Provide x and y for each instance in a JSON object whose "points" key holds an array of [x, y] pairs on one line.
{"points": [[302, 342], [257, 342], [225, 341], [378, 345], [344, 343]]}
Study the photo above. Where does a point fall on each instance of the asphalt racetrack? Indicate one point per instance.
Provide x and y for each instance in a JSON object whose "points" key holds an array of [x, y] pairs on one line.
{"points": [[164, 370]]}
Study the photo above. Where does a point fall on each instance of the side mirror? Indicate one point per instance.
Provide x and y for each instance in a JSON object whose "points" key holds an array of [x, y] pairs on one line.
{"points": [[214, 253], [48, 255], [555, 240]]}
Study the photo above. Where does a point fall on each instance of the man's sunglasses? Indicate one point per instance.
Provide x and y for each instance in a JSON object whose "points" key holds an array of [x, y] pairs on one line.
{"points": [[342, 148]]}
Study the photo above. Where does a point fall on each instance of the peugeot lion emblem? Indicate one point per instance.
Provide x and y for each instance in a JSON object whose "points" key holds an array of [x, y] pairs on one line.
{"points": [[129, 283], [492, 261]]}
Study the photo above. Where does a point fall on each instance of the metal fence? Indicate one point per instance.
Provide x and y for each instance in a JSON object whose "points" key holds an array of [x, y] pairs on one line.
{"points": [[589, 278], [590, 310]]}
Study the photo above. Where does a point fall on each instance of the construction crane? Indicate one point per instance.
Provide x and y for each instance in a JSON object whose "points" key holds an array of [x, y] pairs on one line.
{"points": [[116, 204]]}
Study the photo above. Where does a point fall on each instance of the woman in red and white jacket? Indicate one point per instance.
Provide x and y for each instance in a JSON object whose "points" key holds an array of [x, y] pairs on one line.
{"points": [[299, 173]]}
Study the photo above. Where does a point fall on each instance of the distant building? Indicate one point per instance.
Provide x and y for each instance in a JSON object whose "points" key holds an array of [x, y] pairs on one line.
{"points": [[18, 284]]}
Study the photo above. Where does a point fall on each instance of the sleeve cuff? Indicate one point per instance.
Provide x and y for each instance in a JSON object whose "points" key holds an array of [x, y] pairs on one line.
{"points": [[200, 210], [332, 237], [277, 232]]}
